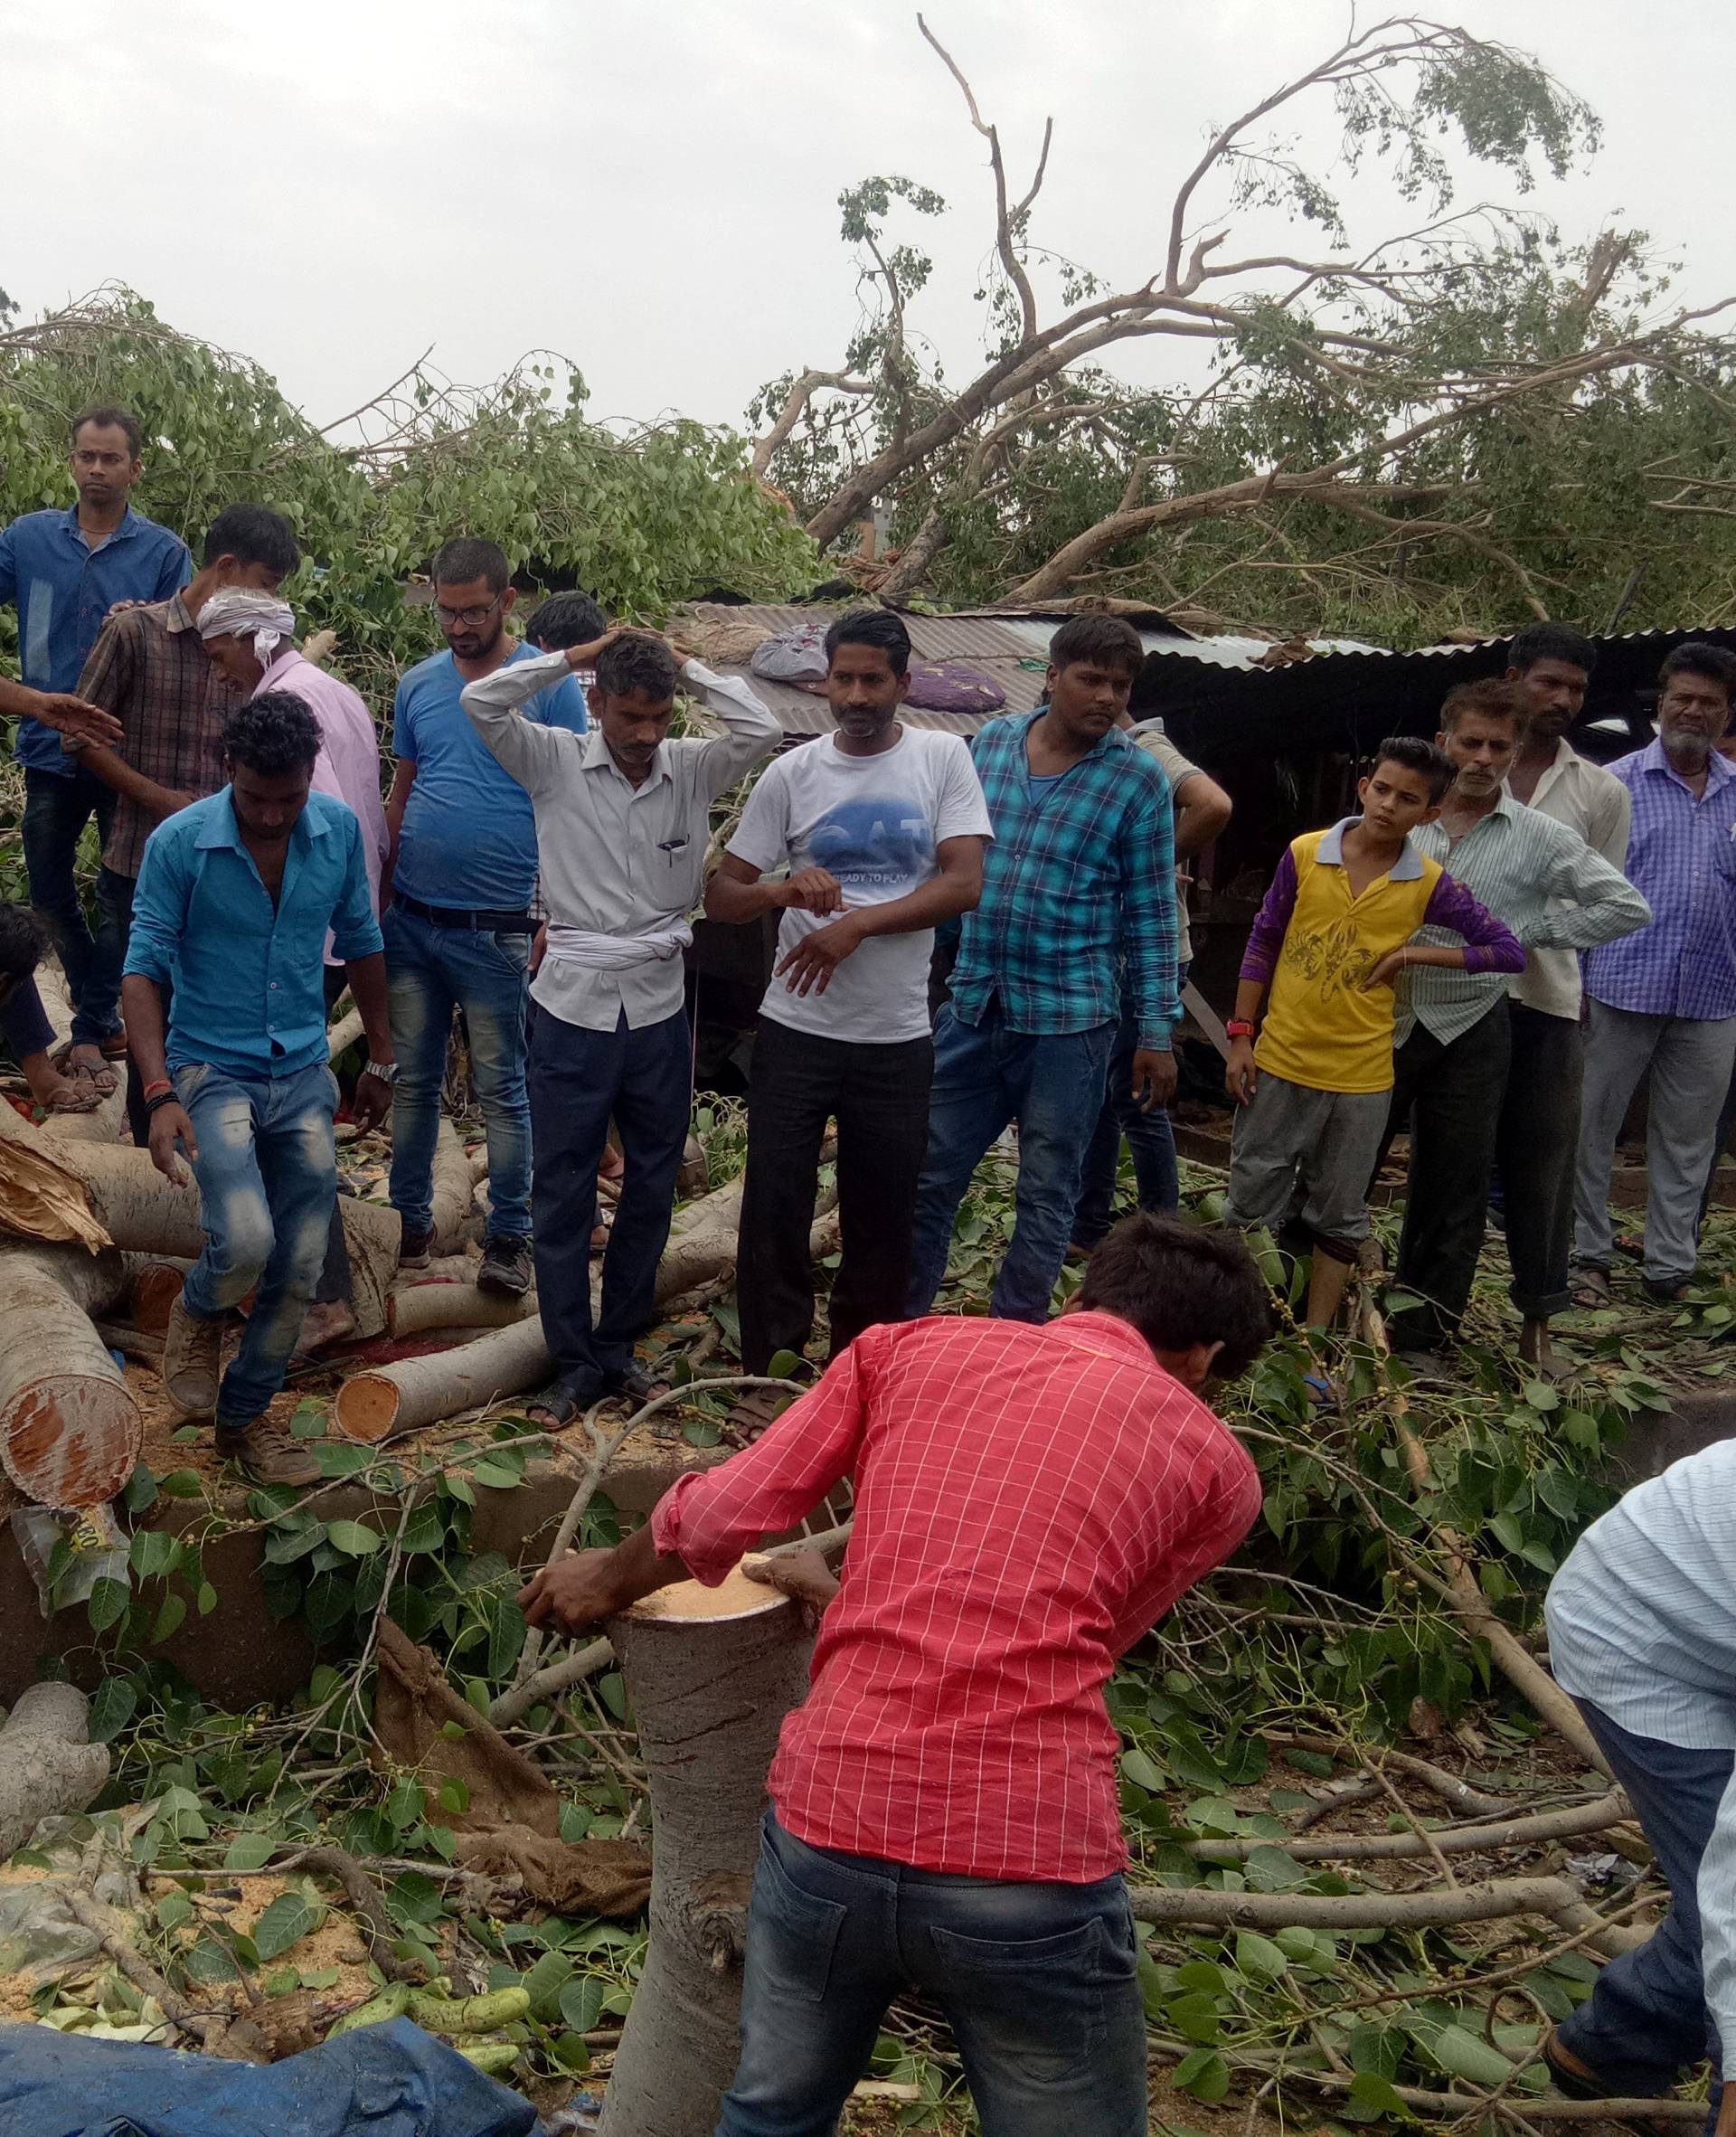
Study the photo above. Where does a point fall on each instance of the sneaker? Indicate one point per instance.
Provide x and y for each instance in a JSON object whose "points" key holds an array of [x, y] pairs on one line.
{"points": [[268, 1454], [414, 1249], [191, 1360], [506, 1265]]}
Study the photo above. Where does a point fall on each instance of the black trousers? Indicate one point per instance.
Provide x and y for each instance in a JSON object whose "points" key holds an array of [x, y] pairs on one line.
{"points": [[1537, 1139], [578, 1079], [1449, 1096], [879, 1096]]}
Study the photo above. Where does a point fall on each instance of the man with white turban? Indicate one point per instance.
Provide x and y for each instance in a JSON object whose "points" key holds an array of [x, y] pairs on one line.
{"points": [[248, 636]]}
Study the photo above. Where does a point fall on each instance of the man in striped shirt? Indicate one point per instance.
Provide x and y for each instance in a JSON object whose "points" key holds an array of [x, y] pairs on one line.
{"points": [[1028, 1502], [1664, 1000], [1080, 875], [1452, 1081]]}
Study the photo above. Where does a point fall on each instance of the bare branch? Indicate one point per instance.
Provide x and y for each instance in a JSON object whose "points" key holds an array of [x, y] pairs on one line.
{"points": [[796, 403]]}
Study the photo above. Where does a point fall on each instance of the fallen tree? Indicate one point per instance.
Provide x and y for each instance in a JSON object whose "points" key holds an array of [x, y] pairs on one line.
{"points": [[48, 1764], [71, 1430]]}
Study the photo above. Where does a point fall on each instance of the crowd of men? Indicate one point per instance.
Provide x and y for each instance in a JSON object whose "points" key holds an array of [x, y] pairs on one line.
{"points": [[1502, 926]]}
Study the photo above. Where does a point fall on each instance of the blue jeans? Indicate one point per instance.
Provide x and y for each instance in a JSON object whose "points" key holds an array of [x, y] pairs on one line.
{"points": [[1150, 1138], [1038, 1983], [984, 1076], [268, 1182], [1646, 2019], [429, 970], [578, 1079], [56, 810]]}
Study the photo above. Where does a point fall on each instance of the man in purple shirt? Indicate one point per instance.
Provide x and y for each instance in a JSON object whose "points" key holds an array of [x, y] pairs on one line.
{"points": [[1664, 997]]}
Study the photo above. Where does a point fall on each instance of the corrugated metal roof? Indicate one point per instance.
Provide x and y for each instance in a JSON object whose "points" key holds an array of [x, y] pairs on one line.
{"points": [[992, 645]]}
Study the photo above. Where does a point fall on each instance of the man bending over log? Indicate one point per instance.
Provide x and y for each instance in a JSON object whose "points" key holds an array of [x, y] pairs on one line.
{"points": [[1029, 1501], [235, 896]]}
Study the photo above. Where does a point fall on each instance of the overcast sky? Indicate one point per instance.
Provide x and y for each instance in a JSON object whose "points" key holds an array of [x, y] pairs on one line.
{"points": [[649, 186]]}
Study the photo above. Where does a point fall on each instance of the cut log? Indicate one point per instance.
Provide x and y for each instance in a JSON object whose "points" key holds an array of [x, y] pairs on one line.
{"points": [[48, 1767], [154, 1286], [342, 1035], [710, 1673], [424, 1306], [71, 1430], [420, 1391], [102, 1194], [451, 1188]]}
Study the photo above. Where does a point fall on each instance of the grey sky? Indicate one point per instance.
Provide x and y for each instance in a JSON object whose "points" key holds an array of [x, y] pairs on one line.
{"points": [[650, 189]]}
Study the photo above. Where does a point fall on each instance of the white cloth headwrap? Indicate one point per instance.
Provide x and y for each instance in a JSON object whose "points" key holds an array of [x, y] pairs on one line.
{"points": [[244, 612], [617, 953]]}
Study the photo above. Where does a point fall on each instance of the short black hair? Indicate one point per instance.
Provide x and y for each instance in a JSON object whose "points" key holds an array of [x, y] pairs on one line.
{"points": [[1416, 755], [273, 734], [1108, 641], [1491, 696], [253, 534], [21, 943], [1551, 641], [1182, 1284], [563, 619], [871, 626], [466, 557], [107, 417], [1698, 659], [635, 662]]}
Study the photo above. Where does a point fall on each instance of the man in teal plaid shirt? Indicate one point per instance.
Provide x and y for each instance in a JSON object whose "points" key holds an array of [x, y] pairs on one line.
{"points": [[1079, 877]]}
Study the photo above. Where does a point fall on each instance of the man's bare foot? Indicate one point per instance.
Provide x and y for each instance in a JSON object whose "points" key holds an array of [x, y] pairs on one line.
{"points": [[1536, 1351], [55, 1092], [86, 1062], [328, 1322]]}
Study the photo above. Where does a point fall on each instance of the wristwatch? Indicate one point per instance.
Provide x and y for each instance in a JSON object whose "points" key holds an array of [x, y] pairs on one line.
{"points": [[385, 1072], [1239, 1027]]}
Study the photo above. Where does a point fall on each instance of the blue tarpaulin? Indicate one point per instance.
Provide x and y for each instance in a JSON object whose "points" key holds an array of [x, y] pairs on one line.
{"points": [[382, 2081]]}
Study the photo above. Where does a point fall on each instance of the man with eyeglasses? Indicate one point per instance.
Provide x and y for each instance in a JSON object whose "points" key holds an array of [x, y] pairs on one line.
{"points": [[455, 910]]}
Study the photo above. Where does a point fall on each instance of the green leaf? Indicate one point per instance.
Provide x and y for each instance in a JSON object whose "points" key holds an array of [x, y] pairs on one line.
{"points": [[207, 1599], [168, 1619], [112, 1708], [353, 1538], [212, 1961], [785, 1365], [496, 1475], [404, 1804], [552, 1973], [1258, 1958], [1463, 2054], [174, 1909], [1143, 1772], [1204, 2074], [1202, 1974], [1541, 1396], [141, 1490], [454, 1800], [182, 1484], [1309, 1762], [288, 1919], [582, 2001], [1372, 2099], [108, 1605], [411, 1898], [1194, 2018], [249, 1851], [1376, 2049]]}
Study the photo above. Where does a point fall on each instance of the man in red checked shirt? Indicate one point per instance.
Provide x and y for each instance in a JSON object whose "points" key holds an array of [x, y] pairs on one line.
{"points": [[1029, 1501]]}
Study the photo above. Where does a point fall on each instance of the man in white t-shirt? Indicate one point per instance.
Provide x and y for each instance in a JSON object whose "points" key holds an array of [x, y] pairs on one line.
{"points": [[882, 826]]}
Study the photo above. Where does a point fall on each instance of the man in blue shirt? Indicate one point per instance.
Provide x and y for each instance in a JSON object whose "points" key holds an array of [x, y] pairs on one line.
{"points": [[456, 908], [234, 901], [65, 570]]}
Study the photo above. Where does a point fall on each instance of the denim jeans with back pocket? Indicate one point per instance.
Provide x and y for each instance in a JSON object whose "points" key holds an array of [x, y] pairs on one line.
{"points": [[1039, 1984]]}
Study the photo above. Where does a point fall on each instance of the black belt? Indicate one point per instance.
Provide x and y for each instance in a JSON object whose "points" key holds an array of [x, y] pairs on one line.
{"points": [[483, 923]]}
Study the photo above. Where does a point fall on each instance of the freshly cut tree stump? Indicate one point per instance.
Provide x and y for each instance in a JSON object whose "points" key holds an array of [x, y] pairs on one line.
{"points": [[154, 1286], [71, 1430], [48, 1765], [712, 1673]]}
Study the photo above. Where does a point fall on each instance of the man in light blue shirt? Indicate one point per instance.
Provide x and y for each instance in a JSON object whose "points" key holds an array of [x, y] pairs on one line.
{"points": [[65, 570], [1642, 1631], [455, 910], [234, 901]]}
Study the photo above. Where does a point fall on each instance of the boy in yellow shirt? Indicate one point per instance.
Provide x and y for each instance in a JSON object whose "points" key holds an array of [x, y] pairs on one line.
{"points": [[1330, 941]]}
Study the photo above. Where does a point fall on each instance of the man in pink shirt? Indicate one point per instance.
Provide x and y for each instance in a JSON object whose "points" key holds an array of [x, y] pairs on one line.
{"points": [[1029, 1501], [248, 637]]}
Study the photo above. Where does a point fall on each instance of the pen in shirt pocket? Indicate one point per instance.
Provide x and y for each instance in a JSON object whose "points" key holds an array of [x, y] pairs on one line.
{"points": [[671, 847]]}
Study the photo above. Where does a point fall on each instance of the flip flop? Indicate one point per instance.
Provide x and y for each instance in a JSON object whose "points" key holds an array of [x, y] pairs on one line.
{"points": [[74, 1096], [1588, 1287]]}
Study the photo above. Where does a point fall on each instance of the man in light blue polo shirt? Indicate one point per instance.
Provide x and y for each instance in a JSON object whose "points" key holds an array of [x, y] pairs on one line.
{"points": [[65, 570], [457, 916], [235, 898]]}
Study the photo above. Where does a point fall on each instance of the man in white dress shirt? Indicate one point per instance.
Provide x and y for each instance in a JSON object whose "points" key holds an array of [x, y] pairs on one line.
{"points": [[623, 820]]}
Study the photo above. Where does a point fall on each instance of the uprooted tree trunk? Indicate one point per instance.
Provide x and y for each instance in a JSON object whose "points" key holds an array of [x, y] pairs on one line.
{"points": [[71, 1430], [111, 1195], [418, 1307], [48, 1764], [710, 1672]]}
